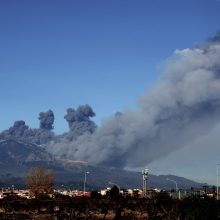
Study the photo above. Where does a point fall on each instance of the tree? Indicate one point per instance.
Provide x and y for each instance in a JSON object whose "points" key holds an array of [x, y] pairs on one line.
{"points": [[40, 181]]}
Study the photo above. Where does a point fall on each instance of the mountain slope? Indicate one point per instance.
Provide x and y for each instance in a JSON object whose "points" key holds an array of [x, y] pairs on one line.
{"points": [[16, 158]]}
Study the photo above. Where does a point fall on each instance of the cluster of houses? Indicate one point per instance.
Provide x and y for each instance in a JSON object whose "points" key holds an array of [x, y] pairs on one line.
{"points": [[137, 193], [23, 193], [8, 191]]}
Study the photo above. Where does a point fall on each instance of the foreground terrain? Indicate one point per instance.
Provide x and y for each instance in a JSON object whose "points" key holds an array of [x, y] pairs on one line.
{"points": [[161, 206]]}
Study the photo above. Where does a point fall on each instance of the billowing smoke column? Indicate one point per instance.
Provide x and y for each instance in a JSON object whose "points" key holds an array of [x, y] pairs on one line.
{"points": [[79, 121], [46, 120], [17, 130], [20, 131], [183, 105]]}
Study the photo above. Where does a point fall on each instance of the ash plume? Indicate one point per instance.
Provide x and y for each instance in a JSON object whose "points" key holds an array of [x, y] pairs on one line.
{"points": [[183, 105], [20, 131], [79, 121], [17, 130], [46, 120]]}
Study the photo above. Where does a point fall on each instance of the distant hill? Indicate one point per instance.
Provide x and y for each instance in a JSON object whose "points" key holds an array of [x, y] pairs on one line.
{"points": [[17, 157]]}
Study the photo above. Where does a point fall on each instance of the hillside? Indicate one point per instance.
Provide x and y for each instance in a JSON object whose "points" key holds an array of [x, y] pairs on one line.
{"points": [[17, 158]]}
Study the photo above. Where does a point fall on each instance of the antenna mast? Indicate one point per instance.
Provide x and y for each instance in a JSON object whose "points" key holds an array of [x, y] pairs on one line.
{"points": [[145, 178]]}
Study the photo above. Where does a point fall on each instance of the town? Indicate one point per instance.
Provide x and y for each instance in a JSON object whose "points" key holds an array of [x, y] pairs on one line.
{"points": [[110, 203], [41, 200]]}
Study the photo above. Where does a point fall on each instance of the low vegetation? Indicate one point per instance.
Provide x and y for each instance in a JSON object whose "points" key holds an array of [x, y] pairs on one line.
{"points": [[61, 207]]}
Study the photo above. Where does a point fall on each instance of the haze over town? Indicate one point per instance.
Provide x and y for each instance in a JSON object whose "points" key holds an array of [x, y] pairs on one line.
{"points": [[154, 63]]}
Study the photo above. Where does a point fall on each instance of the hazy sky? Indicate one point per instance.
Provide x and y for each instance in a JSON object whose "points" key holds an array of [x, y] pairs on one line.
{"points": [[106, 53]]}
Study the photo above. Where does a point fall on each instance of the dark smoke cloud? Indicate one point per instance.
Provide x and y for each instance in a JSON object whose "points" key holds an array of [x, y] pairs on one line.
{"points": [[182, 106], [17, 130], [20, 131], [46, 120], [82, 113], [79, 121]]}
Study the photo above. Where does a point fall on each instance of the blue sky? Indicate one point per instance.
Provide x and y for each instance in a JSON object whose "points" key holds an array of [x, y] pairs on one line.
{"points": [[59, 54], [106, 53]]}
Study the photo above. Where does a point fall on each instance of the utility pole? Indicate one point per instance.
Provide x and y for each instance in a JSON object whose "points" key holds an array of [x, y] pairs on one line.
{"points": [[177, 189], [84, 182]]}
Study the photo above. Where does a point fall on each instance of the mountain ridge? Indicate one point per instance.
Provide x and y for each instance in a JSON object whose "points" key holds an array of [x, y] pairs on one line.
{"points": [[18, 157]]}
